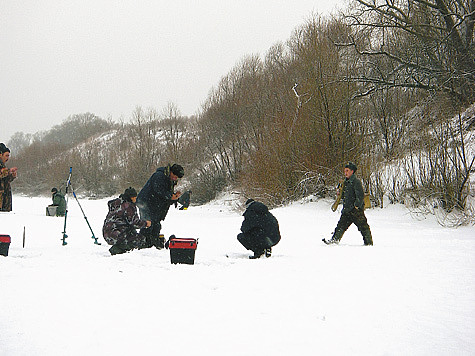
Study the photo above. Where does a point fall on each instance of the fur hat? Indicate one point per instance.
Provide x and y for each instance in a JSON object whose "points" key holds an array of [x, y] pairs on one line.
{"points": [[177, 170], [351, 166], [128, 194]]}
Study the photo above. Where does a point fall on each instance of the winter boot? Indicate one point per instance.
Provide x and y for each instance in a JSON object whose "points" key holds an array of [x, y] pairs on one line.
{"points": [[161, 242], [144, 244], [367, 238], [146, 232], [158, 242], [268, 251], [335, 240], [332, 241], [117, 249], [257, 254]]}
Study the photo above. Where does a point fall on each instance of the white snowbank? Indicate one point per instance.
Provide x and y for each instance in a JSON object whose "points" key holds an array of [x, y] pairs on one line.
{"points": [[412, 293]]}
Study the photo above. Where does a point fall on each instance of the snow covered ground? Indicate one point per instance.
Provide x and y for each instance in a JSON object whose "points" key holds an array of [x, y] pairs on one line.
{"points": [[412, 293]]}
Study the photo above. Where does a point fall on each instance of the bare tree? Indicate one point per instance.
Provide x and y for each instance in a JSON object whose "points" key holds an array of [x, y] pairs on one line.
{"points": [[174, 129], [144, 155], [429, 43], [19, 141]]}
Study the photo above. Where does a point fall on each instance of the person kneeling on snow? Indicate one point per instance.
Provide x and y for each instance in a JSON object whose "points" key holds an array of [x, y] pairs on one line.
{"points": [[121, 222], [260, 229]]}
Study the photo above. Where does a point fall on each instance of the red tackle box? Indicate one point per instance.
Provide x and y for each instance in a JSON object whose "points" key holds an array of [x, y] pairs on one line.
{"points": [[182, 250], [4, 244]]}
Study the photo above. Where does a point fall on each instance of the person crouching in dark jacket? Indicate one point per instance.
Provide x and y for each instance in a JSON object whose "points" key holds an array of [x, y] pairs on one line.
{"points": [[121, 222], [260, 229]]}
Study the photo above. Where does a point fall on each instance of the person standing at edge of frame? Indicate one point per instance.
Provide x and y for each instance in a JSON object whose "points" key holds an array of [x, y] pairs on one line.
{"points": [[6, 177]]}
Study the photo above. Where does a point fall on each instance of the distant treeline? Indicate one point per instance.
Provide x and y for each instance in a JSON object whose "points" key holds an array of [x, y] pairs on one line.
{"points": [[387, 87]]}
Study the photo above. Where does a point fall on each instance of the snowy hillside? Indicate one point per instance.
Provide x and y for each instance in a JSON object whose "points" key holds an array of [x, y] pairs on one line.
{"points": [[412, 293]]}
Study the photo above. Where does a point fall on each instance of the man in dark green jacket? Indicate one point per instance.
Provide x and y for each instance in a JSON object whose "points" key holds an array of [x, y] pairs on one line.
{"points": [[353, 208]]}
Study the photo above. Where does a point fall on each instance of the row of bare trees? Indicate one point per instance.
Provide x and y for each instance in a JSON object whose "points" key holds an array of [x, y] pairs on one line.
{"points": [[420, 51], [384, 85], [379, 85], [106, 157]]}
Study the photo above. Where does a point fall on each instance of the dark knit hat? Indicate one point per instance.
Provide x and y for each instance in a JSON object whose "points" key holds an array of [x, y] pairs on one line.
{"points": [[128, 194], [177, 170], [351, 166], [54, 190], [3, 148]]}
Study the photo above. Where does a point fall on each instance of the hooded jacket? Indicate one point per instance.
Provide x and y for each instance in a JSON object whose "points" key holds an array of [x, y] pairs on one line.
{"points": [[121, 221], [258, 221]]}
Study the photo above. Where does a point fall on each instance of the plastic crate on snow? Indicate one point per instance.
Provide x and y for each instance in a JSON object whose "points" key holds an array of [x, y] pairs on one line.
{"points": [[4, 244], [182, 250]]}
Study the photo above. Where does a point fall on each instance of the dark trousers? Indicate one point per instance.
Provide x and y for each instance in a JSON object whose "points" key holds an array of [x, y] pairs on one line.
{"points": [[6, 201], [357, 217], [151, 233], [126, 240], [153, 230], [255, 241]]}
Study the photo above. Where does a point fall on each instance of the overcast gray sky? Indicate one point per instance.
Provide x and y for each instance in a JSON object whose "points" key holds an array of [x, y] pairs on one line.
{"points": [[60, 57]]}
